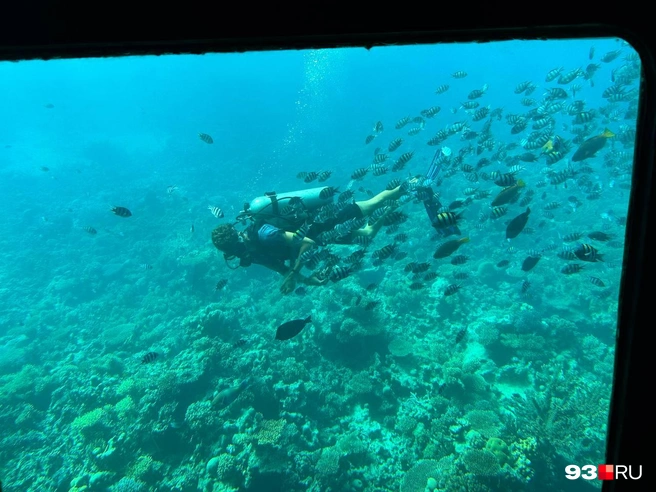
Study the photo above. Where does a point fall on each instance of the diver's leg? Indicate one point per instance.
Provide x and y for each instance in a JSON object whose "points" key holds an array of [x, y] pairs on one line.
{"points": [[372, 229], [370, 206]]}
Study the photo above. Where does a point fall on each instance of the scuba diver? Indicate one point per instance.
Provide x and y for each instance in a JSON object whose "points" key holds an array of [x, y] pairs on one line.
{"points": [[267, 241]]}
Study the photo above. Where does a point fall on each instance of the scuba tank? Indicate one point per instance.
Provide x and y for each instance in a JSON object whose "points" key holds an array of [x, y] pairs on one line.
{"points": [[288, 210]]}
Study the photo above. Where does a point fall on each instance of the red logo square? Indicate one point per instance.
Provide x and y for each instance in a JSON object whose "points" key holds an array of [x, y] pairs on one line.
{"points": [[605, 472]]}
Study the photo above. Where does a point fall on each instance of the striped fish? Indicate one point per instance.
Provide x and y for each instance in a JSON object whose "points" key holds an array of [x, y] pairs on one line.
{"points": [[216, 211], [206, 138]]}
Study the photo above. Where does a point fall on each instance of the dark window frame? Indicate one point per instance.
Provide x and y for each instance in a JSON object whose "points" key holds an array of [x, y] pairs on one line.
{"points": [[58, 34]]}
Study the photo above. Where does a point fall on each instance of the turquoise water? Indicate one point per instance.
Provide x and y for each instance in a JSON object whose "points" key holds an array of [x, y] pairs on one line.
{"points": [[497, 387]]}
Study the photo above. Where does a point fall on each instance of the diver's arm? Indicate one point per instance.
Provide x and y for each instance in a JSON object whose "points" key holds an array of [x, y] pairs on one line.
{"points": [[306, 244]]}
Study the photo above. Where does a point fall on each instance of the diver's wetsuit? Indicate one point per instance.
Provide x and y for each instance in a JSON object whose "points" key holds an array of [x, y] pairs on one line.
{"points": [[267, 246]]}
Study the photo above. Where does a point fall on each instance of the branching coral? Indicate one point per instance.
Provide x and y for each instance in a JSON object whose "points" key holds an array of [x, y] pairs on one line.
{"points": [[88, 419], [292, 371], [125, 406], [199, 416], [142, 466], [566, 411], [270, 431], [224, 467]]}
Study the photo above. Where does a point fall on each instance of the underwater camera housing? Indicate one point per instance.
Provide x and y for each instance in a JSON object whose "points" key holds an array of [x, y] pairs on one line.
{"points": [[288, 210]]}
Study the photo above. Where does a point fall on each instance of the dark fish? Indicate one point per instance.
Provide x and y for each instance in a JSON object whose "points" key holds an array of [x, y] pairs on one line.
{"points": [[205, 138], [517, 225], [460, 335], [228, 395], [371, 287], [90, 230], [591, 146], [291, 328], [529, 263], [600, 236], [49, 106], [449, 247], [221, 284], [503, 263], [507, 195], [149, 357], [192, 229], [121, 211], [241, 342], [45, 169], [301, 291], [371, 305], [528, 157]]}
